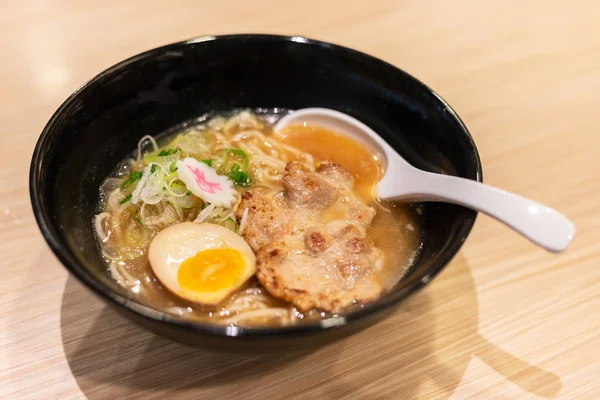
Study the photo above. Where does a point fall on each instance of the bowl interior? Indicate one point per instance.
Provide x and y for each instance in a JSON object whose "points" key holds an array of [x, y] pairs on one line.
{"points": [[100, 125]]}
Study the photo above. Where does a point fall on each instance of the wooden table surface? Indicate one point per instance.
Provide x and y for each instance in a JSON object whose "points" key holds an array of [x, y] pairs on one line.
{"points": [[505, 320]]}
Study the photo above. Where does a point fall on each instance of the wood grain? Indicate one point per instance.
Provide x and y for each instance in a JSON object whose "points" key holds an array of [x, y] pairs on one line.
{"points": [[504, 321]]}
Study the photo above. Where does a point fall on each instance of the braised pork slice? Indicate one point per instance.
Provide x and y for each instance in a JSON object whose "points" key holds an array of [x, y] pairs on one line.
{"points": [[336, 175], [310, 240], [305, 189], [267, 220]]}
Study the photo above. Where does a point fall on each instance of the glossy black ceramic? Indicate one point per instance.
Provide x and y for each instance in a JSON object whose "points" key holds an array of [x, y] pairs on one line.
{"points": [[102, 122]]}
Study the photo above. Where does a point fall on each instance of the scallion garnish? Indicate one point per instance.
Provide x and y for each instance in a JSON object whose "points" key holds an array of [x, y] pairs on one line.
{"points": [[240, 178], [133, 176], [126, 199], [167, 152], [139, 221]]}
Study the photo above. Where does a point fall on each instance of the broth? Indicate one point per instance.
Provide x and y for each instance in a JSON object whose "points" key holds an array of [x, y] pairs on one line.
{"points": [[326, 145], [395, 229]]}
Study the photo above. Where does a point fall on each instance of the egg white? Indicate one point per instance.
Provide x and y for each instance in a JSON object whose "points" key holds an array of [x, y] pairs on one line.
{"points": [[173, 245]]}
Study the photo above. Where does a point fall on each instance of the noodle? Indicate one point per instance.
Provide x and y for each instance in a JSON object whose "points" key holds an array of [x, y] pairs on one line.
{"points": [[270, 162], [244, 135], [140, 145], [249, 297], [98, 225], [128, 277], [269, 313], [115, 273]]}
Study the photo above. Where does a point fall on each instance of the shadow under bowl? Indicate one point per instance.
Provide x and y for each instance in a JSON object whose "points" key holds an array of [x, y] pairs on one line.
{"points": [[102, 122]]}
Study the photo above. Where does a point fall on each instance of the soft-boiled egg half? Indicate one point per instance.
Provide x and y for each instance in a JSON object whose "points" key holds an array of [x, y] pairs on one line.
{"points": [[202, 263]]}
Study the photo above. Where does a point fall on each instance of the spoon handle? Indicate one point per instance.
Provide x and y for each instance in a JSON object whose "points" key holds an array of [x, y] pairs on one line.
{"points": [[541, 224]]}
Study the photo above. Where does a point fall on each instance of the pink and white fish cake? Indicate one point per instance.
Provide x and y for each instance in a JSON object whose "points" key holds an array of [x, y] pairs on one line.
{"points": [[204, 182]]}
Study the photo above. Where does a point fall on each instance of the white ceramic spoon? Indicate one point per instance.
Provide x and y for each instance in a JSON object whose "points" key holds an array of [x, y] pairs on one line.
{"points": [[401, 181]]}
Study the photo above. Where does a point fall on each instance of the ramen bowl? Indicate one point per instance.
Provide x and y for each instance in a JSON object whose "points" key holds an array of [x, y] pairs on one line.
{"points": [[101, 123]]}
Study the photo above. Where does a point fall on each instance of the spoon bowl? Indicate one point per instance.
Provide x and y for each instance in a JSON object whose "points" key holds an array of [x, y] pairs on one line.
{"points": [[401, 181]]}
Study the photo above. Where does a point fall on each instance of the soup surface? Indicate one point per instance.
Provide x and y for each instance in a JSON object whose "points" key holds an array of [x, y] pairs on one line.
{"points": [[300, 233]]}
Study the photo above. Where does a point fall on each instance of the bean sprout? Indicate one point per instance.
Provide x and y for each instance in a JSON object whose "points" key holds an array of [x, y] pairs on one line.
{"points": [[205, 213], [243, 221]]}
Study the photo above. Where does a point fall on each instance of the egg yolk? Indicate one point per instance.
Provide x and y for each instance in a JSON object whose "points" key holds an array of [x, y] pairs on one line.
{"points": [[211, 270]]}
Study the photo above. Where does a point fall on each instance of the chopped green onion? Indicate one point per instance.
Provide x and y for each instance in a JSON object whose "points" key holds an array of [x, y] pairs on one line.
{"points": [[225, 159], [233, 163], [203, 206], [164, 188], [133, 176], [240, 178], [178, 187], [240, 153], [170, 177], [161, 159], [126, 199], [153, 169], [229, 223], [167, 152], [164, 156], [188, 193], [136, 219], [207, 162], [173, 168], [187, 202]]}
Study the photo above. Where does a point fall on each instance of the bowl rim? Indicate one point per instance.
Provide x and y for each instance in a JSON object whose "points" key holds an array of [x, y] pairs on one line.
{"points": [[50, 234]]}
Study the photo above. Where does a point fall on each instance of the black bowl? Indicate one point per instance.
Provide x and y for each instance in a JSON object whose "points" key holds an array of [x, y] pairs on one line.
{"points": [[101, 123]]}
